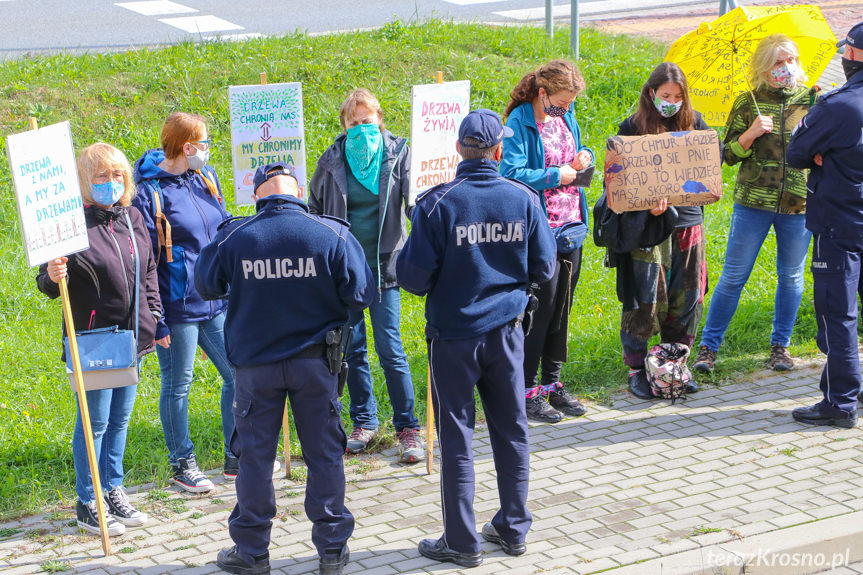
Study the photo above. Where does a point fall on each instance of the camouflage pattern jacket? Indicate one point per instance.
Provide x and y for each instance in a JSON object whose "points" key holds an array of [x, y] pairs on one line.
{"points": [[765, 181]]}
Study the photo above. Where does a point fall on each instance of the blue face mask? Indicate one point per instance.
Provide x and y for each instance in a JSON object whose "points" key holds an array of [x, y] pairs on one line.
{"points": [[108, 193]]}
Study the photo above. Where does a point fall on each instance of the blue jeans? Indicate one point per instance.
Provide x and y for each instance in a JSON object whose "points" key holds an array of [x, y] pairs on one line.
{"points": [[384, 313], [749, 227], [110, 410], [176, 363]]}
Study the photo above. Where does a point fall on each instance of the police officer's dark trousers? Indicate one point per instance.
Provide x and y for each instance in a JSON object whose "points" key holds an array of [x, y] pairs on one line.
{"points": [[493, 363], [836, 274], [259, 402]]}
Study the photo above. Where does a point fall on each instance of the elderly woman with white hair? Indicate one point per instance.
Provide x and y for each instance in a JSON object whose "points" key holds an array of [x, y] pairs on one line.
{"points": [[768, 192]]}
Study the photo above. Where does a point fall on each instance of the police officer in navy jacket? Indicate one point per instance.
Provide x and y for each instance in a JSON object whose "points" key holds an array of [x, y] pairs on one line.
{"points": [[290, 278], [476, 244], [829, 141]]}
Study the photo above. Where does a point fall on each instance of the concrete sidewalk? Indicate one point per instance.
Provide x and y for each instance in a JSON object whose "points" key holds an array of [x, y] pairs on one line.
{"points": [[643, 487]]}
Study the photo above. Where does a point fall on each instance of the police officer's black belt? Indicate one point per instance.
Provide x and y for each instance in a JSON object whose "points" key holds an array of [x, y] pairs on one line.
{"points": [[311, 352]]}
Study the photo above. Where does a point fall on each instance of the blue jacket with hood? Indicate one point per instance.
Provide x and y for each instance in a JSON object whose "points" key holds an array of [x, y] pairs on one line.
{"points": [[524, 153], [194, 216]]}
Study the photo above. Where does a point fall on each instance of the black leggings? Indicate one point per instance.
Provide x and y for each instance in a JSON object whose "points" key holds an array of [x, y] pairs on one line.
{"points": [[547, 339]]}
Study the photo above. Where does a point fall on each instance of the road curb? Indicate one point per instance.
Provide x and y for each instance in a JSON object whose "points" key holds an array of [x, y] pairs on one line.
{"points": [[785, 551]]}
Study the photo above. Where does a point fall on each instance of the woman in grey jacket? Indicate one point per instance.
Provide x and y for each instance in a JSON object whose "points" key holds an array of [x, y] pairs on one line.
{"points": [[364, 178]]}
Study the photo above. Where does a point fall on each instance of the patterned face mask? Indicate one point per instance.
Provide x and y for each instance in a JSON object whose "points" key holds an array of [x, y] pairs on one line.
{"points": [[665, 108], [554, 111], [784, 75]]}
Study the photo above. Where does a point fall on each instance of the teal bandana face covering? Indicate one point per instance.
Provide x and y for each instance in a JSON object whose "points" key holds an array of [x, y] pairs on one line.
{"points": [[364, 150]]}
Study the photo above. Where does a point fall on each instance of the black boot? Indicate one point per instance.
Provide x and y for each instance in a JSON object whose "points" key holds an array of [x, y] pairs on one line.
{"points": [[438, 551], [822, 413], [231, 560], [639, 386], [334, 561]]}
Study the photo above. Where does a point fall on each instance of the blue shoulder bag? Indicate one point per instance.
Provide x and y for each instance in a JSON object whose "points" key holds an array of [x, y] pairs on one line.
{"points": [[108, 355]]}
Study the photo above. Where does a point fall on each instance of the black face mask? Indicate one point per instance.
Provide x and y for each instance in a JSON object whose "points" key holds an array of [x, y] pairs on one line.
{"points": [[851, 67]]}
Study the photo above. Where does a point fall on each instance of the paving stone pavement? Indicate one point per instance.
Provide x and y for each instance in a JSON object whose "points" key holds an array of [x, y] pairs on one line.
{"points": [[626, 483]]}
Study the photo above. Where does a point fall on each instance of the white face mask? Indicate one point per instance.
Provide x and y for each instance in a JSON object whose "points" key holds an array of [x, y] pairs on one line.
{"points": [[199, 160]]}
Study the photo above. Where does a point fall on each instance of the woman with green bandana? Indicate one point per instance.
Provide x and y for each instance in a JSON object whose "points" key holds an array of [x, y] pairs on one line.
{"points": [[364, 178]]}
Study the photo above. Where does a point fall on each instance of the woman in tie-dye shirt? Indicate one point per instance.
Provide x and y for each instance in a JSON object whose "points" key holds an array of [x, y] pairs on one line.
{"points": [[546, 153]]}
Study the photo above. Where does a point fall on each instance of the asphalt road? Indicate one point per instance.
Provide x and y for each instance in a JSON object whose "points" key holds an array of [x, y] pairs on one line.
{"points": [[40, 26]]}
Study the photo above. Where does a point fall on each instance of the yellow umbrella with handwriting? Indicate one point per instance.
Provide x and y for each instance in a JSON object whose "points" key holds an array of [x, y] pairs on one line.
{"points": [[716, 56]]}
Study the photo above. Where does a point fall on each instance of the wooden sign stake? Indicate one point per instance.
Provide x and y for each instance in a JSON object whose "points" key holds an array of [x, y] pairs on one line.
{"points": [[429, 404]]}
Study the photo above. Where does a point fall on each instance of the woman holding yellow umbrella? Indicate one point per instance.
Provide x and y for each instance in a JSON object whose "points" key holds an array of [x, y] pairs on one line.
{"points": [[768, 193]]}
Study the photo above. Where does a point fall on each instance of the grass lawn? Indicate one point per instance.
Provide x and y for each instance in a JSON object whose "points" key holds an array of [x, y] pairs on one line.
{"points": [[123, 98]]}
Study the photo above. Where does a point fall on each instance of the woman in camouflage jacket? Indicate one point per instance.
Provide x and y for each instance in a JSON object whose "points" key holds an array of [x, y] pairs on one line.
{"points": [[768, 193]]}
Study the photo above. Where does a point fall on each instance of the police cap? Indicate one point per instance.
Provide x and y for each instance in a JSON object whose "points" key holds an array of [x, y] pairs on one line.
{"points": [[264, 173]]}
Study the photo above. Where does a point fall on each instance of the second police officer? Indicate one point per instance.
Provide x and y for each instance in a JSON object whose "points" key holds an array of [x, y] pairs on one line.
{"points": [[828, 141], [291, 279], [476, 244]]}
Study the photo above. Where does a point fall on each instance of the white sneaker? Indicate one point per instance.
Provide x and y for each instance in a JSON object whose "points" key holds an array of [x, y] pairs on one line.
{"points": [[121, 509]]}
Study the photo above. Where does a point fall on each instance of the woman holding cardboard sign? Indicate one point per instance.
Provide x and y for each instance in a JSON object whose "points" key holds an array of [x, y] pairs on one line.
{"points": [[546, 153], [101, 294], [662, 287], [768, 193]]}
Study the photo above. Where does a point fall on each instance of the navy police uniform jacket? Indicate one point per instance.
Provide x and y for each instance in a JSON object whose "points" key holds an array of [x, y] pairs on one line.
{"points": [[292, 277], [834, 129], [476, 244]]}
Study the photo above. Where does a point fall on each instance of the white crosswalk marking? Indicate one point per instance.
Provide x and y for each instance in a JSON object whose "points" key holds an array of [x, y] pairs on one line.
{"points": [[201, 24], [472, 2], [156, 7]]}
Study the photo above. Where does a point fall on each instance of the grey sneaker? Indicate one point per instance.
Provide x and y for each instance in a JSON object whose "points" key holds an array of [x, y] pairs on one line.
{"points": [[705, 360], [359, 439], [538, 409], [88, 520], [411, 446], [566, 403], [780, 359], [121, 509]]}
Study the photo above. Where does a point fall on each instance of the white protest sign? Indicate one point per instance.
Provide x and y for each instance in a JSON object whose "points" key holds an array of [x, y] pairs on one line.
{"points": [[436, 114], [266, 127], [50, 208]]}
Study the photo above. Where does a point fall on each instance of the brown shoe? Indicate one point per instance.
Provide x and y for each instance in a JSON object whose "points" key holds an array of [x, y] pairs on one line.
{"points": [[780, 359], [705, 361]]}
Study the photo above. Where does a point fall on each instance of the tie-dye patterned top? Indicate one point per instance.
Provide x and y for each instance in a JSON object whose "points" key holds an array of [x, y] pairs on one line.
{"points": [[563, 202]]}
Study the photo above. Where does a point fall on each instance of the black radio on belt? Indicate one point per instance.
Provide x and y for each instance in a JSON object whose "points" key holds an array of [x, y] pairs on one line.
{"points": [[337, 343], [532, 306]]}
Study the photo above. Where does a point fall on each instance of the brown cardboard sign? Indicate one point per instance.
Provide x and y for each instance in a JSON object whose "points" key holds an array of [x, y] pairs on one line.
{"points": [[681, 166]]}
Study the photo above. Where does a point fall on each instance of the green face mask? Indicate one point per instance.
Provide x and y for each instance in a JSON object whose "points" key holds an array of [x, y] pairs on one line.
{"points": [[364, 150]]}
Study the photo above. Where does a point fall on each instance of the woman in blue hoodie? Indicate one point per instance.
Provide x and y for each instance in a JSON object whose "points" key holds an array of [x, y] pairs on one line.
{"points": [[180, 198], [546, 153]]}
